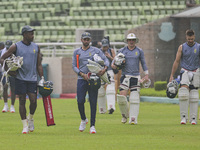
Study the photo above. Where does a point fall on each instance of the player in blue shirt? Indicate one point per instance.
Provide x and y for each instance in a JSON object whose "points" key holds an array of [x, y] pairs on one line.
{"points": [[130, 79], [79, 64]]}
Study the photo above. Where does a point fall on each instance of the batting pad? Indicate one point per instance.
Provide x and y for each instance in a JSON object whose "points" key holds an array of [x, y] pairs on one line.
{"points": [[48, 110], [123, 105]]}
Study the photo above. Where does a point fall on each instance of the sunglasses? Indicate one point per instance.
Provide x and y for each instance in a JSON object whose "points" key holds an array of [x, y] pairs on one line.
{"points": [[131, 40]]}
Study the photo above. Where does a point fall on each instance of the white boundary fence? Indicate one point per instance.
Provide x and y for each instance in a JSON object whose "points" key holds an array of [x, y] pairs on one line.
{"points": [[66, 49]]}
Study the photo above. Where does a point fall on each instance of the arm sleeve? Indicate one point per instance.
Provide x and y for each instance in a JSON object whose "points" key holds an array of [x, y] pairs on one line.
{"points": [[74, 63], [143, 63]]}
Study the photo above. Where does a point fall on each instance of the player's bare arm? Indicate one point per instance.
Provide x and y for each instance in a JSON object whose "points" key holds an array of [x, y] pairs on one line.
{"points": [[176, 63], [39, 63]]}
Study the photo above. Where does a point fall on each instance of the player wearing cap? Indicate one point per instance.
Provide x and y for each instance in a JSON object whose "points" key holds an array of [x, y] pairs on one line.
{"points": [[11, 81], [107, 92], [79, 64], [130, 79], [26, 77]]}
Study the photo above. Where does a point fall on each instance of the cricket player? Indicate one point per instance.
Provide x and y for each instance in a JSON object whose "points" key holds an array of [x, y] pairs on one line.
{"points": [[26, 76], [106, 92], [130, 57], [11, 79], [188, 55], [79, 64]]}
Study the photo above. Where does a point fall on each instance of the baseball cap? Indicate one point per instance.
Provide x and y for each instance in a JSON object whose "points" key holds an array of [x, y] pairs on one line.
{"points": [[86, 35], [27, 29], [105, 42], [8, 43]]}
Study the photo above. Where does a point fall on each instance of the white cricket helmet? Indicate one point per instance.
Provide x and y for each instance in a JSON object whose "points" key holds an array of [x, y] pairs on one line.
{"points": [[132, 36]]}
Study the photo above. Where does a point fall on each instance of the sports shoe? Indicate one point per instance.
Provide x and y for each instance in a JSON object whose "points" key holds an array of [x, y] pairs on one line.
{"points": [[5, 109], [101, 111], [111, 111], [132, 121], [92, 130], [31, 125], [183, 121], [12, 109], [124, 120], [193, 122], [83, 125], [25, 130]]}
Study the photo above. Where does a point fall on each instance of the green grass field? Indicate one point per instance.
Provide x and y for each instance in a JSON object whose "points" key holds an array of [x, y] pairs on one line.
{"points": [[158, 128]]}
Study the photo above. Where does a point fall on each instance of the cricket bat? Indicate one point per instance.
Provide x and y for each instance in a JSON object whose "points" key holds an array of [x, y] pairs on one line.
{"points": [[48, 110]]}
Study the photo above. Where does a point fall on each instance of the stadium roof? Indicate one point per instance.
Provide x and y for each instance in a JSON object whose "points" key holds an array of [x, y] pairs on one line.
{"points": [[190, 13]]}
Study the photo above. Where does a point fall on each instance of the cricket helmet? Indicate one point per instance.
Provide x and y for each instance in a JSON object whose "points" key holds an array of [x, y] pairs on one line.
{"points": [[132, 36], [47, 89], [172, 89]]}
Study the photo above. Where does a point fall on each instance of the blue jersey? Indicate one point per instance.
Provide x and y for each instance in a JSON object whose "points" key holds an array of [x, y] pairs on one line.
{"points": [[190, 58], [28, 71], [109, 51], [133, 58], [83, 56]]}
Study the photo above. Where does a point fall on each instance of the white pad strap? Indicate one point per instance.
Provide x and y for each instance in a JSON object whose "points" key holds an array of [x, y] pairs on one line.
{"points": [[194, 98], [183, 95], [134, 106], [123, 105]]}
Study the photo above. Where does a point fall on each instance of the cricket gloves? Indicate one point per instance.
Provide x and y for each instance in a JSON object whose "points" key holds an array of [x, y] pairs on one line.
{"points": [[119, 61], [41, 82]]}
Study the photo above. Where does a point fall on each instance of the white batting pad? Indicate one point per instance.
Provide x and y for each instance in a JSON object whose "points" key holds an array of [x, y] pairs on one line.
{"points": [[101, 100], [95, 68], [183, 95], [194, 98], [123, 105], [134, 106], [110, 95]]}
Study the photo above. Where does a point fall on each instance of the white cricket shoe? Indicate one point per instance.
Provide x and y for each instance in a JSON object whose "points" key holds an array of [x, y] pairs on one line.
{"points": [[92, 130], [193, 122], [12, 109], [183, 121], [5, 109], [25, 130], [132, 121], [124, 120], [83, 125], [31, 125]]}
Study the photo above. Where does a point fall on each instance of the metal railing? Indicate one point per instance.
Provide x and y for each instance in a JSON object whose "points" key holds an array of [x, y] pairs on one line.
{"points": [[66, 49]]}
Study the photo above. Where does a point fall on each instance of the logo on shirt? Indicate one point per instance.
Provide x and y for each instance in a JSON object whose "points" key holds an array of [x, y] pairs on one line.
{"points": [[136, 53], [34, 50], [90, 54], [195, 50]]}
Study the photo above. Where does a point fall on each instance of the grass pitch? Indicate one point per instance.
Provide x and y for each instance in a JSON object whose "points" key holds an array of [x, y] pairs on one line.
{"points": [[158, 128]]}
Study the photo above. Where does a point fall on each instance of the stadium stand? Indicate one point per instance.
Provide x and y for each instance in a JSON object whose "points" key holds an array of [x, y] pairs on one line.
{"points": [[57, 20]]}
